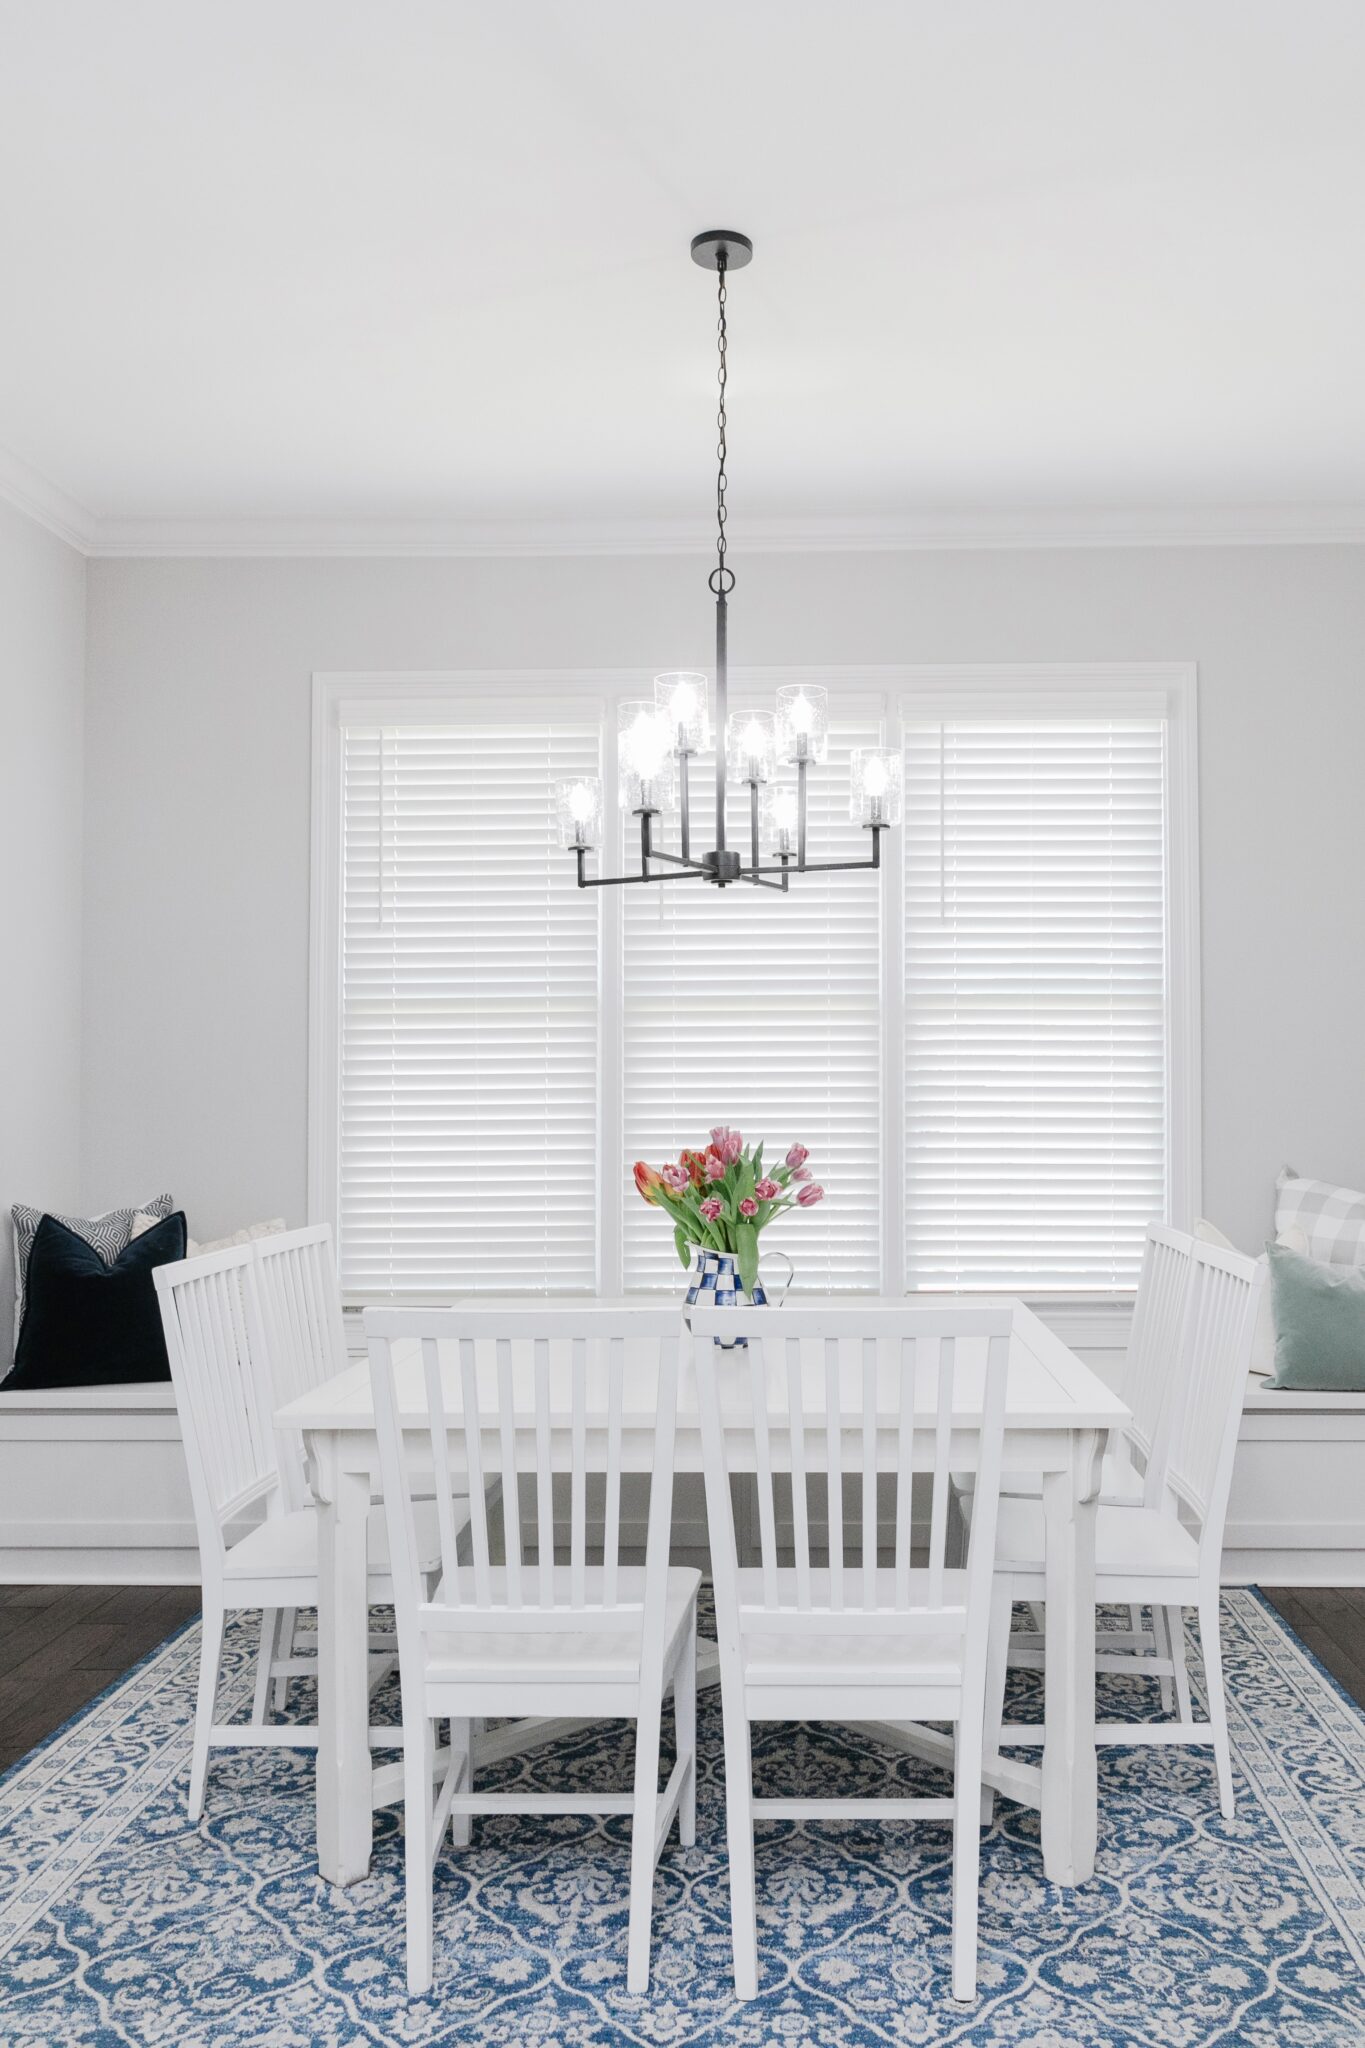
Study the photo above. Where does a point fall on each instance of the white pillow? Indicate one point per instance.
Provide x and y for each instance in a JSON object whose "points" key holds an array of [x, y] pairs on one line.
{"points": [[1333, 1218], [1263, 1339], [246, 1235]]}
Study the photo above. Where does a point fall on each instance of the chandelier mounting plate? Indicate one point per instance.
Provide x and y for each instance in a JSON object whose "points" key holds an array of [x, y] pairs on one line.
{"points": [[706, 249]]}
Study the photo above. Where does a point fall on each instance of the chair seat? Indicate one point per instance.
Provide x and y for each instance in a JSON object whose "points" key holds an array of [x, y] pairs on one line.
{"points": [[286, 1547], [922, 1656], [1130, 1542], [559, 1656]]}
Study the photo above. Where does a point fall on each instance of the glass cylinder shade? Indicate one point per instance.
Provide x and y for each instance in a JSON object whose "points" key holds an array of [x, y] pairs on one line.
{"points": [[647, 777], [683, 700], [802, 722], [750, 748], [779, 818], [578, 811], [874, 786]]}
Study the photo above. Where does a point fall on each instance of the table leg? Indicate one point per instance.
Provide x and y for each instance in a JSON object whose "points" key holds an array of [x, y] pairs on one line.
{"points": [[1069, 1786], [345, 1818]]}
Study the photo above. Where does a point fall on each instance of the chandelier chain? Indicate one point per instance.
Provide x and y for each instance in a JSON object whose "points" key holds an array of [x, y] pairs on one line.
{"points": [[724, 580]]}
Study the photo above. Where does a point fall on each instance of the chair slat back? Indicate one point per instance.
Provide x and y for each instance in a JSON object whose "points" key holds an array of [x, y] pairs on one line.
{"points": [[1215, 1358], [525, 1398], [1152, 1366], [210, 1313], [829, 1410], [305, 1339]]}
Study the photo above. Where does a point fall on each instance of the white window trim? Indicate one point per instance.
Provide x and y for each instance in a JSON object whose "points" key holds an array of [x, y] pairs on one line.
{"points": [[1097, 689]]}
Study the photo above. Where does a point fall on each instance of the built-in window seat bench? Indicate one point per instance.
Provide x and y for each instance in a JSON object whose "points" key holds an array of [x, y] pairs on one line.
{"points": [[93, 1489]]}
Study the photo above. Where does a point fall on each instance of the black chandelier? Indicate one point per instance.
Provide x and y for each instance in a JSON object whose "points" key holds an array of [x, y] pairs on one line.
{"points": [[657, 739]]}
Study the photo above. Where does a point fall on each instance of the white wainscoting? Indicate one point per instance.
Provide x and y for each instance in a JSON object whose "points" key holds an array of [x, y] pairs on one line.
{"points": [[93, 1489]]}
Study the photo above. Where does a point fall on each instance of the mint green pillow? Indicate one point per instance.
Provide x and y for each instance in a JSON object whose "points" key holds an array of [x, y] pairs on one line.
{"points": [[1319, 1324]]}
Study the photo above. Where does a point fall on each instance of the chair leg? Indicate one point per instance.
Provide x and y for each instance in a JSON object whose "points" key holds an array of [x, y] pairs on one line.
{"points": [[967, 1798], [462, 1744], [739, 1841], [210, 1655], [997, 1674], [265, 1657], [685, 1732], [288, 1619], [1161, 1638], [1212, 1646], [1175, 1633], [419, 1752], [643, 1816]]}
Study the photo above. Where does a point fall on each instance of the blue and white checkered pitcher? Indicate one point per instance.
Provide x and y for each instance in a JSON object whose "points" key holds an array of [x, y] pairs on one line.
{"points": [[714, 1281]]}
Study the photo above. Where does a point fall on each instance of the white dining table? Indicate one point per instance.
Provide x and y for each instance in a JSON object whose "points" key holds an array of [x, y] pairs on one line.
{"points": [[1058, 1414]]}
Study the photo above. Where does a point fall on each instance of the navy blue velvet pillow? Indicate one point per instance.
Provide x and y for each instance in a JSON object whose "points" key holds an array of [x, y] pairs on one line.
{"points": [[91, 1325]]}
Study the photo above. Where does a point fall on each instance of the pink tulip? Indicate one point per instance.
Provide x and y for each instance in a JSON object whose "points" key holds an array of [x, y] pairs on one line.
{"points": [[797, 1155], [728, 1143], [713, 1166], [676, 1177], [803, 1173], [748, 1207], [767, 1190], [808, 1197], [710, 1209]]}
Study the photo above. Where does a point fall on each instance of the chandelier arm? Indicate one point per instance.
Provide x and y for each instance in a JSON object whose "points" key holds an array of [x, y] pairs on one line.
{"points": [[586, 881]]}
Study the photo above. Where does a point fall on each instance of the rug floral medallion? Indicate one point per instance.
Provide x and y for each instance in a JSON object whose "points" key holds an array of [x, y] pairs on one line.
{"points": [[122, 1923]]}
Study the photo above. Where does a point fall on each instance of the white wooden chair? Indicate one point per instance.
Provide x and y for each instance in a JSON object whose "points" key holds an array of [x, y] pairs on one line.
{"points": [[1151, 1381], [305, 1344], [1165, 1551], [210, 1313], [818, 1394], [507, 1636]]}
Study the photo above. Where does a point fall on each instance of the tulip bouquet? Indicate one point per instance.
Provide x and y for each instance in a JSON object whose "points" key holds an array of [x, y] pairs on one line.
{"points": [[722, 1196]]}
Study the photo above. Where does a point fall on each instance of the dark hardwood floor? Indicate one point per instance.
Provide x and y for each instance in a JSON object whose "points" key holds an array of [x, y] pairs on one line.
{"points": [[60, 1645]]}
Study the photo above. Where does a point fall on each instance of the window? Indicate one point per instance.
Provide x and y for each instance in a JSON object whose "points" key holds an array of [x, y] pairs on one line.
{"points": [[468, 1014], [1035, 1026], [991, 1049]]}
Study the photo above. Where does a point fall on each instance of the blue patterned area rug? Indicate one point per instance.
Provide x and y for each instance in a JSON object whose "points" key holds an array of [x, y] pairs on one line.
{"points": [[120, 1923]]}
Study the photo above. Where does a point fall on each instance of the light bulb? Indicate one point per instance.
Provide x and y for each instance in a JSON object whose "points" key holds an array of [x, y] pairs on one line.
{"points": [[582, 803], [682, 702], [801, 712], [781, 818], [802, 722], [645, 743], [874, 776]]}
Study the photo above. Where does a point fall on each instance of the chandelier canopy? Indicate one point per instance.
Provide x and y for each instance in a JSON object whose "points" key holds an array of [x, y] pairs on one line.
{"points": [[657, 737]]}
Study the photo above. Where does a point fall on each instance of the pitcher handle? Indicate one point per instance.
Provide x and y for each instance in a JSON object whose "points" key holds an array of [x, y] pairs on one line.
{"points": [[774, 1253]]}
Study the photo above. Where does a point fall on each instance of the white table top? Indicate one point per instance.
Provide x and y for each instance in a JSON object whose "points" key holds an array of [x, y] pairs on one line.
{"points": [[1049, 1388]]}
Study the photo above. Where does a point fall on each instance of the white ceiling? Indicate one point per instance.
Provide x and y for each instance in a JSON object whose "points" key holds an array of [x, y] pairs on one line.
{"points": [[343, 267]]}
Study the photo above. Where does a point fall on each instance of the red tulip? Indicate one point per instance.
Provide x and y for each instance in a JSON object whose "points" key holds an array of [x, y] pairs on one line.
{"points": [[695, 1165], [647, 1181]]}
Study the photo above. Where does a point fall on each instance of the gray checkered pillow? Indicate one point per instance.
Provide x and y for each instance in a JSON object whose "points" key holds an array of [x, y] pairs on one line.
{"points": [[107, 1234], [1331, 1218]]}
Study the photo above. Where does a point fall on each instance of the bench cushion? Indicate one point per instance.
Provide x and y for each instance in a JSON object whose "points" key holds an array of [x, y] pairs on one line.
{"points": [[85, 1318]]}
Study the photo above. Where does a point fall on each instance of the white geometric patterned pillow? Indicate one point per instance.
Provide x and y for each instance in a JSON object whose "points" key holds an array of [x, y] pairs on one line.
{"points": [[1331, 1218], [107, 1234]]}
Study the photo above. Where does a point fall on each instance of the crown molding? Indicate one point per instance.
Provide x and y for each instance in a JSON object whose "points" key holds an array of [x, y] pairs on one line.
{"points": [[41, 500], [1096, 527], [1223, 527]]}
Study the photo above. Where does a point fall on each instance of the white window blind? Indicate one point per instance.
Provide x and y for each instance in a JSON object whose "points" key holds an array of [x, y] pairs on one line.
{"points": [[468, 1029], [745, 1007], [1035, 1005]]}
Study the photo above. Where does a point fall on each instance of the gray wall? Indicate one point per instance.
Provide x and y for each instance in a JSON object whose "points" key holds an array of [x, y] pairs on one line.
{"points": [[197, 831], [42, 663]]}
